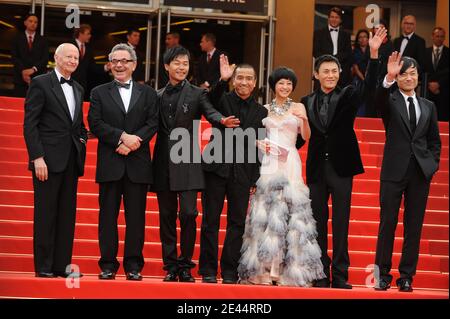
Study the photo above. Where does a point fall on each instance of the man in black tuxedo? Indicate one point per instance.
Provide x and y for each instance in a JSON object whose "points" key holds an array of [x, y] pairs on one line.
{"points": [[437, 67], [335, 41], [56, 137], [334, 157], [133, 39], [234, 179], [88, 72], [124, 117], [411, 157], [409, 43], [29, 55], [181, 105], [208, 68]]}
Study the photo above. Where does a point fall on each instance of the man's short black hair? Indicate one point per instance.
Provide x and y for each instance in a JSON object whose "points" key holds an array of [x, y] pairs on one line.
{"points": [[282, 73], [244, 66], [175, 52], [210, 37], [30, 15], [336, 10], [409, 62], [131, 30], [325, 58]]}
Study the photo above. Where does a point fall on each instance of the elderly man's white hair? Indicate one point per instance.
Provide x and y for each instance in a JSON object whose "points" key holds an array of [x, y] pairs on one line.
{"points": [[62, 46], [123, 47]]}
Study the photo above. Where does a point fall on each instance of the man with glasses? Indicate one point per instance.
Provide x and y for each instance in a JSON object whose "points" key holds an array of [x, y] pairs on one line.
{"points": [[124, 117], [409, 43], [56, 142]]}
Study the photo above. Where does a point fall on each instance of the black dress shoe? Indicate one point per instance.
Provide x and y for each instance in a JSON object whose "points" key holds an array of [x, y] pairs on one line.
{"points": [[171, 276], [44, 274], [68, 274], [134, 275], [322, 283], [382, 285], [185, 276], [229, 281], [341, 285], [404, 285], [209, 279], [107, 275]]}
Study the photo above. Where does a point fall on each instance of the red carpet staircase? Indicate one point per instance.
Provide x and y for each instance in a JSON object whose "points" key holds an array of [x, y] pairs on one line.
{"points": [[16, 225]]}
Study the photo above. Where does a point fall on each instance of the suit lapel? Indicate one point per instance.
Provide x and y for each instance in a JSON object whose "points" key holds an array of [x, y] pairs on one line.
{"points": [[78, 102], [401, 106], [424, 115], [311, 105], [181, 105], [135, 94], [116, 96], [57, 90]]}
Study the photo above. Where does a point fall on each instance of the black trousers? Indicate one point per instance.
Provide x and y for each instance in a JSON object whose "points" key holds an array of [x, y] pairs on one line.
{"points": [[216, 189], [134, 202], [340, 189], [168, 209], [55, 202], [415, 189]]}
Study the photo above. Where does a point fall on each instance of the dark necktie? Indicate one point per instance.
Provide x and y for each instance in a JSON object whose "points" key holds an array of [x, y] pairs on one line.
{"points": [[30, 42], [412, 115], [63, 80], [323, 110], [209, 57], [436, 56], [122, 85]]}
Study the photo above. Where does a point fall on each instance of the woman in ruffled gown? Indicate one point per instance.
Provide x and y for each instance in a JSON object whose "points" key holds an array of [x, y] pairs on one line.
{"points": [[279, 243]]}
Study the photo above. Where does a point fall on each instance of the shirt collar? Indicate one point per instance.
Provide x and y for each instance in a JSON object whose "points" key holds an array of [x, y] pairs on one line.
{"points": [[330, 27], [435, 47], [30, 34], [409, 35], [406, 97], [211, 52], [132, 46], [238, 99], [59, 75], [79, 43]]}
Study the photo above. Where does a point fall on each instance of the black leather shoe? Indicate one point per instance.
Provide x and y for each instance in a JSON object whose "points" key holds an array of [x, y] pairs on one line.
{"points": [[322, 283], [107, 275], [341, 285], [68, 274], [134, 275], [382, 285], [229, 281], [185, 276], [44, 274], [404, 285], [171, 276], [209, 279]]}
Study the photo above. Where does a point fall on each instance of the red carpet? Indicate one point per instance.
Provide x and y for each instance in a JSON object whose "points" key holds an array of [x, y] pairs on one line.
{"points": [[16, 224]]}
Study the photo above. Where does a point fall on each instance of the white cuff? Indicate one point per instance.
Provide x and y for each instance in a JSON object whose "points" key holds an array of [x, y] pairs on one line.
{"points": [[387, 84]]}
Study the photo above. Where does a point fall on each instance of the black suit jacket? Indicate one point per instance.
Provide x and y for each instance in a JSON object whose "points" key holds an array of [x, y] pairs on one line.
{"points": [[209, 71], [170, 176], [108, 120], [441, 73], [24, 58], [246, 172], [415, 48], [338, 139], [324, 45], [48, 128], [425, 144]]}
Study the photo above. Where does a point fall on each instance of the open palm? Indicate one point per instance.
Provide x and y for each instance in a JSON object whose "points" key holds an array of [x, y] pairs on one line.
{"points": [[376, 40]]}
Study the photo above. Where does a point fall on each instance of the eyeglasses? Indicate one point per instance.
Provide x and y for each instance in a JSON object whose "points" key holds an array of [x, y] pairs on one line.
{"points": [[122, 61]]}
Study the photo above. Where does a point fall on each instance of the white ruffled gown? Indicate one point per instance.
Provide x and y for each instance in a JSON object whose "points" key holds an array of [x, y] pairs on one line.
{"points": [[279, 242]]}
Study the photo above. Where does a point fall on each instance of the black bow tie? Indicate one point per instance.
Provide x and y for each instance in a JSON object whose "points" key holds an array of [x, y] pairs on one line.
{"points": [[407, 38], [63, 80], [331, 30], [123, 85]]}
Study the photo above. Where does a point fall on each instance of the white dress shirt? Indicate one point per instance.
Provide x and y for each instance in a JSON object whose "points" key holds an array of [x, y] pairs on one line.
{"points": [[125, 94], [405, 43], [68, 93], [334, 38], [210, 53], [387, 85]]}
